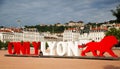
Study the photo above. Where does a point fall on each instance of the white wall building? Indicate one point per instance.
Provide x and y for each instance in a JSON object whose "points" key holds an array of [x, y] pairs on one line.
{"points": [[24, 35], [31, 36], [71, 35], [93, 35], [6, 36], [18, 36]]}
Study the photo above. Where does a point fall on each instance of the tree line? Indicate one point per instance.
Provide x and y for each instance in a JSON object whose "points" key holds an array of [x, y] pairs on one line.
{"points": [[51, 28]]}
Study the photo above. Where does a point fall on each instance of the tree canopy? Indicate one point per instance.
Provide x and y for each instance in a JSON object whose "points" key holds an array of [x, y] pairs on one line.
{"points": [[51, 28], [113, 31], [116, 13]]}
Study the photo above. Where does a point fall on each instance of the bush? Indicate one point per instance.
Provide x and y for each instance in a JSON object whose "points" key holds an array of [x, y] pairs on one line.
{"points": [[5, 45], [1, 45]]}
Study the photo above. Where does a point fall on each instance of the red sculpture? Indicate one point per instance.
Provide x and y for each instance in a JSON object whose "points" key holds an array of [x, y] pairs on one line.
{"points": [[105, 45], [36, 47], [22, 47]]}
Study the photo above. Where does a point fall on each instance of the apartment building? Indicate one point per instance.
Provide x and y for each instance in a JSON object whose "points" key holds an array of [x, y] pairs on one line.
{"points": [[72, 23], [71, 34], [17, 34], [95, 34]]}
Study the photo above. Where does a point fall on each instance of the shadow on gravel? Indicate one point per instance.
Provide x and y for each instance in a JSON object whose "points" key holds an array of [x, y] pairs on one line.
{"points": [[111, 67]]}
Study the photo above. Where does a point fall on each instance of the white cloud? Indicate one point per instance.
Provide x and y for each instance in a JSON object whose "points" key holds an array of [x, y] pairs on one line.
{"points": [[46, 11]]}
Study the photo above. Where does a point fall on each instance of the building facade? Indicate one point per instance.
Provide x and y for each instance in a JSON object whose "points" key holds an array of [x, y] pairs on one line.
{"points": [[95, 34], [78, 24], [21, 35], [6, 36], [71, 35]]}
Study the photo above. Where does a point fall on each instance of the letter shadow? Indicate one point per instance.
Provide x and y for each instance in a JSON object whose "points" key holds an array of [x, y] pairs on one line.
{"points": [[111, 67]]}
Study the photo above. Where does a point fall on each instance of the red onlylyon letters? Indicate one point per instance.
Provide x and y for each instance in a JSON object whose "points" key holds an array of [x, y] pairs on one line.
{"points": [[22, 47], [36, 47]]}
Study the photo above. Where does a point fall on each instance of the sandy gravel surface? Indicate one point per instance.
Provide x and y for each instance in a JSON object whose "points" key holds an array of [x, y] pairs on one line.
{"points": [[55, 63]]}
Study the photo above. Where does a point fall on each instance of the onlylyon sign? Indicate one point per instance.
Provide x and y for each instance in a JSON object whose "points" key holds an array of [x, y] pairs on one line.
{"points": [[61, 48], [65, 48], [55, 48]]}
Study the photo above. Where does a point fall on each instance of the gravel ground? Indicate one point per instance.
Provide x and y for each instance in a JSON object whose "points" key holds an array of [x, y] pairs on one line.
{"points": [[56, 63]]}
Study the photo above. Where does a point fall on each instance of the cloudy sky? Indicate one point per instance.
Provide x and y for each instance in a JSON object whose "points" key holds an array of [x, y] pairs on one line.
{"points": [[33, 12]]}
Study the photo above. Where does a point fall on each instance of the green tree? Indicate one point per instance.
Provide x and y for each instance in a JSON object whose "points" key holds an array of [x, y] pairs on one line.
{"points": [[113, 31], [5, 45], [46, 44], [116, 13], [1, 45]]}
